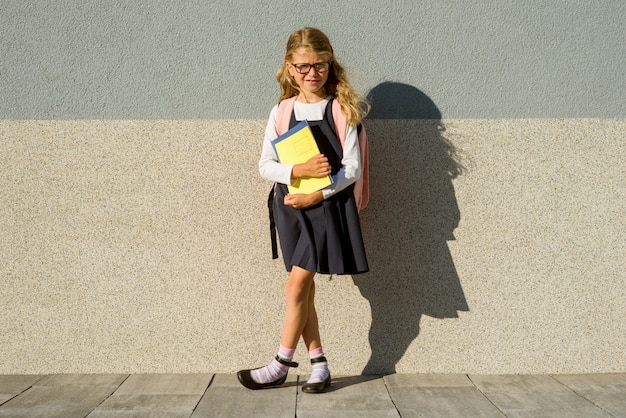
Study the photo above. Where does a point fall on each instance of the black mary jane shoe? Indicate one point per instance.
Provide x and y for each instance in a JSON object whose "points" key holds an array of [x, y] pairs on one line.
{"points": [[245, 378], [319, 386]]}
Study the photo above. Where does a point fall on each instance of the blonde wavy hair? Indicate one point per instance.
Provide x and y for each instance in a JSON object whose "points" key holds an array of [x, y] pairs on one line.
{"points": [[353, 105]]}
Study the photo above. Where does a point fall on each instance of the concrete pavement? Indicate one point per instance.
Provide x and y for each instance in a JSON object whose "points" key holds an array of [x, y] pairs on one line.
{"points": [[398, 395]]}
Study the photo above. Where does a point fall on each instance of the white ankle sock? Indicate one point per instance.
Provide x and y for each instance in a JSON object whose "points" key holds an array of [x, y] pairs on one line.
{"points": [[275, 370], [320, 370]]}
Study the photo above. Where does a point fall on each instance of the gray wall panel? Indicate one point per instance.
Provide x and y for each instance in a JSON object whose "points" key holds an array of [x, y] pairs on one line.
{"points": [[216, 60]]}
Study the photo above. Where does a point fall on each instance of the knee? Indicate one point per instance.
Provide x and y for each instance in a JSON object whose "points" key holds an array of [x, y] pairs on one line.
{"points": [[300, 287], [296, 290]]}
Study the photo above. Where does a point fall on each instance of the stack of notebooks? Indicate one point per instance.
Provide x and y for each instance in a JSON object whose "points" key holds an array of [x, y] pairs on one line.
{"points": [[297, 146]]}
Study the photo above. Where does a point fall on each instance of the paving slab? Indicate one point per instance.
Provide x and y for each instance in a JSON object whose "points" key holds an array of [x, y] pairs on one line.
{"points": [[166, 406], [428, 380], [607, 391], [546, 405], [356, 396], [506, 384], [166, 384], [55, 401], [62, 395], [155, 395], [617, 380], [225, 397], [538, 396], [445, 395], [109, 380], [13, 385]]}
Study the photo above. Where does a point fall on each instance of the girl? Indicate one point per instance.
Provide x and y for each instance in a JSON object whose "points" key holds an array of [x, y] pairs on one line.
{"points": [[319, 232]]}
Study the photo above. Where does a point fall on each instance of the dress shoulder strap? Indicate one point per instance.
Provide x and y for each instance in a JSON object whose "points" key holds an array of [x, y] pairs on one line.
{"points": [[341, 122]]}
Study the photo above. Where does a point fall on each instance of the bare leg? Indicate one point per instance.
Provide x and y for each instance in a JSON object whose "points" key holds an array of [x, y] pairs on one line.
{"points": [[311, 331], [297, 295], [320, 375]]}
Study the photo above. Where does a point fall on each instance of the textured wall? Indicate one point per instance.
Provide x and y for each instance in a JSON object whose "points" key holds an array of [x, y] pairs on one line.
{"points": [[144, 246], [134, 233]]}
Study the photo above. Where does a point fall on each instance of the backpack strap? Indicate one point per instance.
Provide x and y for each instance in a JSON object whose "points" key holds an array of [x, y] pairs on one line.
{"points": [[270, 207], [283, 116], [341, 123], [361, 186]]}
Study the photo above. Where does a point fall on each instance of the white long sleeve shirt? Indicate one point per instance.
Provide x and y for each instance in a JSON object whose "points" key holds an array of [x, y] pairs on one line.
{"points": [[272, 170]]}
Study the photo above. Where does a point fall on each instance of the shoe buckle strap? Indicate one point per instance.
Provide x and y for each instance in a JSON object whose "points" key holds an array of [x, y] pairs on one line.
{"points": [[286, 362]]}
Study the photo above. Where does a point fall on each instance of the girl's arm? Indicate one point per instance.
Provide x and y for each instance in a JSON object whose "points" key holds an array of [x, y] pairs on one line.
{"points": [[301, 201], [269, 167]]}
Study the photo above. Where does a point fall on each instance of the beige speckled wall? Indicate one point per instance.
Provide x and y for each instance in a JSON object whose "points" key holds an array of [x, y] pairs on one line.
{"points": [[143, 246]]}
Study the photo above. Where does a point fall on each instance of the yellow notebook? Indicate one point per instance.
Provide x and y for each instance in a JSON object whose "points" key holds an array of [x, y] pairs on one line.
{"points": [[297, 146]]}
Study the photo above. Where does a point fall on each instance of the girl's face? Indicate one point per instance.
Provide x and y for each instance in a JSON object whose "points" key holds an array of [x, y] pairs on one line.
{"points": [[311, 83]]}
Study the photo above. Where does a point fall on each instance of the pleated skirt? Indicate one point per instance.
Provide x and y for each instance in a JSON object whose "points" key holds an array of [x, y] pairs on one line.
{"points": [[325, 238]]}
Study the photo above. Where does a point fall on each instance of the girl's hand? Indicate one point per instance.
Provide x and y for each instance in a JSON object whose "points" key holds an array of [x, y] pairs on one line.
{"points": [[303, 201], [316, 166]]}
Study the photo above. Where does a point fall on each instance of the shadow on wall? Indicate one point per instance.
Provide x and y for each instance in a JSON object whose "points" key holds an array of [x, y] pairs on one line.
{"points": [[411, 215]]}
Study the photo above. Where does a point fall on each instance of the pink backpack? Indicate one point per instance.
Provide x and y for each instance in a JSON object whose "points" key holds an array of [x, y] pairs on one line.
{"points": [[361, 186]]}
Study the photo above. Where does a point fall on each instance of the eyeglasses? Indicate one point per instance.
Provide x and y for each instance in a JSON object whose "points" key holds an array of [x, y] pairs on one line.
{"points": [[320, 67]]}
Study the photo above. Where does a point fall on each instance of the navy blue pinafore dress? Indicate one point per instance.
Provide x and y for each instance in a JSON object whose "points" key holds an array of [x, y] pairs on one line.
{"points": [[325, 238]]}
